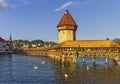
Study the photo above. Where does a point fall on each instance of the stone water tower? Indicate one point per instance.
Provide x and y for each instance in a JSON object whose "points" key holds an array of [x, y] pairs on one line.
{"points": [[66, 28]]}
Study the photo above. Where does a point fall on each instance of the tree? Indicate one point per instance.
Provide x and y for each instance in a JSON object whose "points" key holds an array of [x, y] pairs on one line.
{"points": [[117, 40]]}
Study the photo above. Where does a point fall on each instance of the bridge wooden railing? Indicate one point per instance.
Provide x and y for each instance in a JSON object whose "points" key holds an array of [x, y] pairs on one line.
{"points": [[43, 51], [70, 54]]}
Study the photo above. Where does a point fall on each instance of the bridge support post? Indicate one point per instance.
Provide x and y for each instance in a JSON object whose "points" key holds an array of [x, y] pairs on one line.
{"points": [[93, 59], [63, 59], [74, 59], [106, 60], [119, 56], [83, 59]]}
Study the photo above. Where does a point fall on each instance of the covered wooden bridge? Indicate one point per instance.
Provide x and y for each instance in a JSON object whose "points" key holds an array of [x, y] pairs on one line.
{"points": [[68, 51]]}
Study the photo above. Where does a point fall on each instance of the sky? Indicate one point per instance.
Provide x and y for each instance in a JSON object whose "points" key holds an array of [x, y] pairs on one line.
{"points": [[37, 19]]}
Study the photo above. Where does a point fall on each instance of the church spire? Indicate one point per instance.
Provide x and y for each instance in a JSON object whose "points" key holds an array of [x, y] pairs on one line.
{"points": [[10, 42], [10, 38]]}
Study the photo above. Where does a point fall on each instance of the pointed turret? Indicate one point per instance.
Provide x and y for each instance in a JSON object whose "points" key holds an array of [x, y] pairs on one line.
{"points": [[67, 20], [66, 28]]}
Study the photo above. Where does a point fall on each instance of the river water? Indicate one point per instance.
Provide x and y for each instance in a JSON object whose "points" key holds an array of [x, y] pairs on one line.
{"points": [[19, 69]]}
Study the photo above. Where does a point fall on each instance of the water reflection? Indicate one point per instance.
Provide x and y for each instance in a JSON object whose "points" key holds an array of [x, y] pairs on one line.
{"points": [[98, 73], [19, 69]]}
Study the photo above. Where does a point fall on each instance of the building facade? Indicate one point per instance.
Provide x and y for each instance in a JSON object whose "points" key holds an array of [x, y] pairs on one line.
{"points": [[2, 44]]}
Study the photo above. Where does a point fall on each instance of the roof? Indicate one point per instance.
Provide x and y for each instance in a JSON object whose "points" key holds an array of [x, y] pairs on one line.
{"points": [[87, 44], [2, 40], [35, 49], [67, 20]]}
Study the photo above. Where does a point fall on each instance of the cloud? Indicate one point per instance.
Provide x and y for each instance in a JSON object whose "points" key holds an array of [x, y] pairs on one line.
{"points": [[5, 5], [70, 3]]}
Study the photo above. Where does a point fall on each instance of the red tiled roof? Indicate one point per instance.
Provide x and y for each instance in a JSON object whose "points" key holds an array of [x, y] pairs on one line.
{"points": [[2, 40], [67, 20]]}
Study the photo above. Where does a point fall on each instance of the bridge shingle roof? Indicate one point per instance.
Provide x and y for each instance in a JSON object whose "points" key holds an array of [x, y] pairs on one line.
{"points": [[88, 44]]}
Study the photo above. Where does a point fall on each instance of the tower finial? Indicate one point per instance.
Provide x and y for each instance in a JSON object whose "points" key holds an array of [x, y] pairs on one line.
{"points": [[66, 11]]}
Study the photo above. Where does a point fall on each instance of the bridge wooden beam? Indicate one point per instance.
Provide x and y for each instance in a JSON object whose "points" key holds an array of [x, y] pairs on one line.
{"points": [[83, 59], [93, 59]]}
